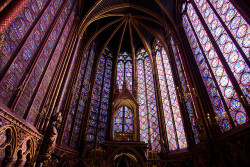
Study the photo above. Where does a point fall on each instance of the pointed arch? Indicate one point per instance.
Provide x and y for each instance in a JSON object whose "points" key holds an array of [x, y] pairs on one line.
{"points": [[149, 124], [124, 70], [96, 130], [171, 107]]}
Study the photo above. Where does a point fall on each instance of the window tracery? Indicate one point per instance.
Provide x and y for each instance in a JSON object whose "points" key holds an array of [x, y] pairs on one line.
{"points": [[123, 122], [76, 114], [124, 70], [222, 56], [149, 125], [171, 109], [96, 130], [187, 98]]}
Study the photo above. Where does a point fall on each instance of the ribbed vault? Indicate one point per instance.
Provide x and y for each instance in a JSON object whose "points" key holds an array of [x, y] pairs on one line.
{"points": [[125, 25]]}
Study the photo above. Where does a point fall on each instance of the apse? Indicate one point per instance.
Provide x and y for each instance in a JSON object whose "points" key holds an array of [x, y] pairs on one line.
{"points": [[107, 83]]}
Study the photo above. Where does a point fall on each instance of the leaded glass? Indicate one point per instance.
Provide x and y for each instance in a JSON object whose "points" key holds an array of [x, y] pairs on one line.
{"points": [[123, 122], [124, 71], [209, 81], [40, 67], [20, 25], [185, 89], [235, 23], [80, 96], [232, 55], [149, 125], [173, 120], [96, 130], [234, 60], [17, 70]]}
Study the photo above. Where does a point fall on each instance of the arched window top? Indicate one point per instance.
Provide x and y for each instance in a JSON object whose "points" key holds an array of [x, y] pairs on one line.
{"points": [[124, 70], [142, 54], [124, 56], [123, 120], [157, 46], [148, 116], [106, 53], [171, 107]]}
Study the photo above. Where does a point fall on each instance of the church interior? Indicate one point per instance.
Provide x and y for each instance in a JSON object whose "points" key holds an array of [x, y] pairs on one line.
{"points": [[124, 83]]}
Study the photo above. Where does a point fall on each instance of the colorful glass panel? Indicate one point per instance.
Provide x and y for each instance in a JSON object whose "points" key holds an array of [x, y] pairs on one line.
{"points": [[185, 89], [96, 130], [26, 54], [149, 125], [209, 81], [79, 99], [172, 115], [120, 74], [234, 21], [123, 122], [40, 68], [51, 70], [124, 71], [231, 53], [217, 69], [14, 33]]}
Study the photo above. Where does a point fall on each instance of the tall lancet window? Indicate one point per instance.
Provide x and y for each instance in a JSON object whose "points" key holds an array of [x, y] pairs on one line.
{"points": [[219, 37], [171, 109], [30, 56], [124, 70], [77, 108], [149, 125], [123, 123], [21, 57], [96, 130], [187, 98]]}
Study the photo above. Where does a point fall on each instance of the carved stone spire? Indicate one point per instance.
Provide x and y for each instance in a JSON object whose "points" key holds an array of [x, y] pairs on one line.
{"points": [[125, 85], [116, 90]]}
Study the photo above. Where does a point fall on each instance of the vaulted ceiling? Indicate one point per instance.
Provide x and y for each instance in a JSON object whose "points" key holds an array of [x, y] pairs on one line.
{"points": [[126, 25]]}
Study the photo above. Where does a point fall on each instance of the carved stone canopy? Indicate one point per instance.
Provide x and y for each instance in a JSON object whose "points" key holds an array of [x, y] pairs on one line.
{"points": [[125, 98]]}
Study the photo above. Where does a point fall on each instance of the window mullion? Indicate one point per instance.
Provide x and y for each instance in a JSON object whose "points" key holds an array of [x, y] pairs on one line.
{"points": [[229, 33], [170, 102], [223, 60], [149, 133], [123, 119], [214, 78], [97, 123]]}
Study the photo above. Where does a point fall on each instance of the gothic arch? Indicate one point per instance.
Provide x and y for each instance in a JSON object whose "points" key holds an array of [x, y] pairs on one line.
{"points": [[127, 149], [125, 99], [10, 139], [26, 149]]}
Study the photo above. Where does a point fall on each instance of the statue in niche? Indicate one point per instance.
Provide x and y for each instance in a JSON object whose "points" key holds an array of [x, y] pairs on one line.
{"points": [[49, 141]]}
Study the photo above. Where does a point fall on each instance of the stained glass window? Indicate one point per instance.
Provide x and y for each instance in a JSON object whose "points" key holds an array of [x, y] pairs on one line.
{"points": [[124, 70], [96, 130], [228, 29], [171, 109], [25, 57], [236, 60], [40, 68], [15, 32], [42, 91], [123, 122], [76, 113], [149, 125], [187, 98]]}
